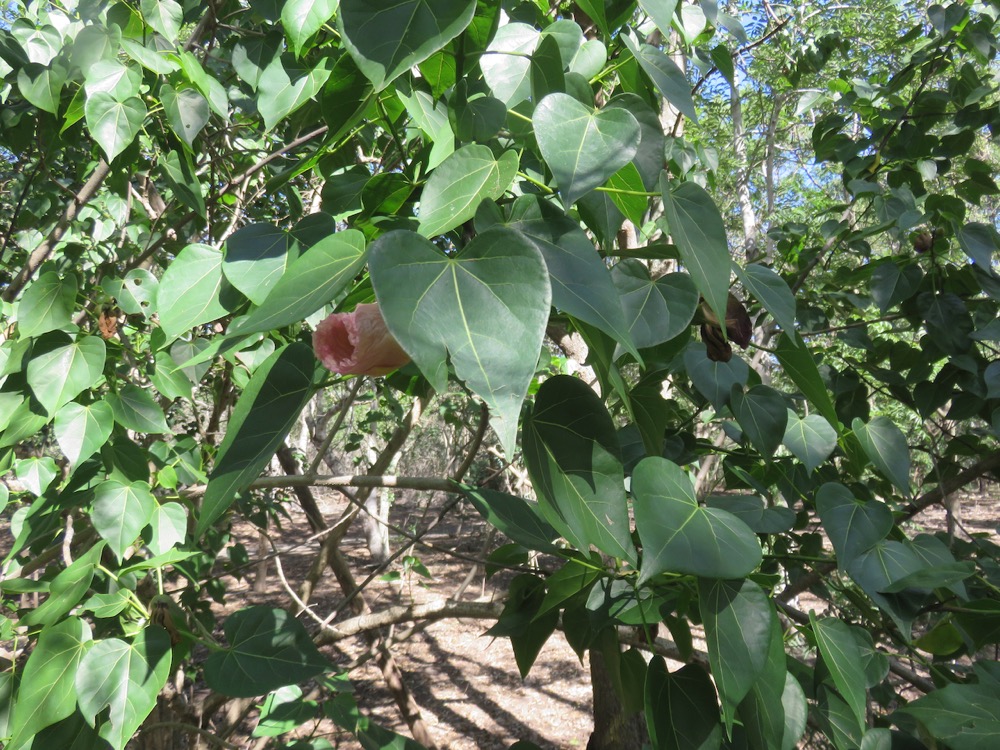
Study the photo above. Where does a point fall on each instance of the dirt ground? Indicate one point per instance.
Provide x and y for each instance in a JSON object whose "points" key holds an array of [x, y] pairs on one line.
{"points": [[466, 683]]}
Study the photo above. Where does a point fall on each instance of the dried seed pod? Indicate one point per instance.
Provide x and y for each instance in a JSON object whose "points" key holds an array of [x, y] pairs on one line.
{"points": [[738, 329], [107, 323], [716, 346], [923, 242], [159, 614]]}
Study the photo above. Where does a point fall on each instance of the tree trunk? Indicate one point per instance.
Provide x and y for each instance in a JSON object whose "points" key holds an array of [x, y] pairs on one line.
{"points": [[613, 729]]}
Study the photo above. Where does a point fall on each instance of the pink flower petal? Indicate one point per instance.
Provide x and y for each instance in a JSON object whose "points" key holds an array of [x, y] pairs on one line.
{"points": [[358, 343]]}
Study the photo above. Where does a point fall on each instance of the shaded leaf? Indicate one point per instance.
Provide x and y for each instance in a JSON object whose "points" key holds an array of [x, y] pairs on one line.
{"points": [[388, 37], [886, 447], [572, 454], [697, 229], [267, 409], [268, 649], [739, 625], [681, 711]]}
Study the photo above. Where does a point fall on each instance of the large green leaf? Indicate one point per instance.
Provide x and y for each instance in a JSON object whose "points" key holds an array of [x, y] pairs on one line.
{"points": [[47, 692], [739, 622], [842, 657], [506, 65], [853, 526], [656, 311], [885, 444], [763, 415], [666, 75], [662, 13], [66, 589], [894, 282], [798, 363], [574, 460], [165, 16], [311, 281], [113, 124], [269, 406], [881, 566], [963, 716], [42, 85], [583, 146], [82, 429], [186, 110], [697, 229], [136, 409], [168, 526], [303, 18], [678, 535], [772, 291], [460, 183], [61, 367], [681, 711], [188, 293], [120, 513], [257, 257], [268, 649], [811, 439], [714, 380], [287, 84], [774, 710], [47, 304], [487, 307], [519, 519], [388, 37], [125, 678], [581, 284]]}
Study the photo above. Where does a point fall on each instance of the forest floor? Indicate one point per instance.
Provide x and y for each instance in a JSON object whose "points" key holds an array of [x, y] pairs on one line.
{"points": [[466, 682]]}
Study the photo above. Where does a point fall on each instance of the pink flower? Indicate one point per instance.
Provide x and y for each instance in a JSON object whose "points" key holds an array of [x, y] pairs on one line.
{"points": [[358, 343]]}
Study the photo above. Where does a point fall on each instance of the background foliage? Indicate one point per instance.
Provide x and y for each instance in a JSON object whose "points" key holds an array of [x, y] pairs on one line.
{"points": [[614, 189]]}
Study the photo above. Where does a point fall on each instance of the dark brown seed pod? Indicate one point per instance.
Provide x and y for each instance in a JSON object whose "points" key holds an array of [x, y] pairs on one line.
{"points": [[923, 242], [716, 346]]}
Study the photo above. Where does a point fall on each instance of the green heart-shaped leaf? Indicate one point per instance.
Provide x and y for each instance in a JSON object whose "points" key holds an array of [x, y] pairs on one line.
{"points": [[581, 284], [854, 527], [460, 183], [583, 146], [487, 307], [656, 311], [680, 536], [120, 513], [60, 367], [126, 678], [697, 228], [886, 446], [388, 37], [811, 439], [763, 415], [114, 124]]}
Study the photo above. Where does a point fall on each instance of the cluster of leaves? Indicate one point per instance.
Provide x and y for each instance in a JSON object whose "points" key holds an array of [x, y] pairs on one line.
{"points": [[185, 184]]}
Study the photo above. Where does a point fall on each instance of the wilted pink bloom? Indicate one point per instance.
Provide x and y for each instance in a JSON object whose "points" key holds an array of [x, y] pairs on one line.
{"points": [[358, 343]]}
